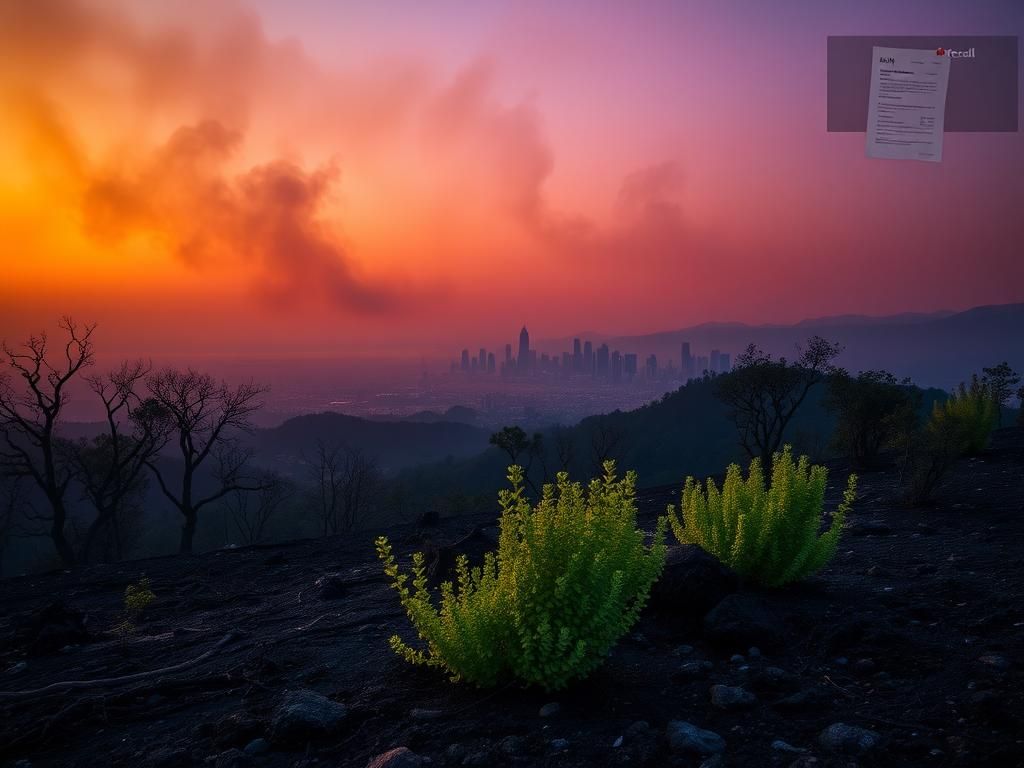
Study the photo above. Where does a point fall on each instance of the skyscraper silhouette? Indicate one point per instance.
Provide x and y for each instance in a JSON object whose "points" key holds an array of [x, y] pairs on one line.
{"points": [[524, 350]]}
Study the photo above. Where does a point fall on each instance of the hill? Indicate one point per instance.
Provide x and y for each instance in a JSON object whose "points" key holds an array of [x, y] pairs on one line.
{"points": [[938, 349]]}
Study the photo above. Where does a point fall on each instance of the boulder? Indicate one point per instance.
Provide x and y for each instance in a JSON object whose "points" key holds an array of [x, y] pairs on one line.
{"points": [[692, 583], [399, 757], [846, 739], [731, 697], [741, 620], [331, 586], [305, 715], [687, 738]]}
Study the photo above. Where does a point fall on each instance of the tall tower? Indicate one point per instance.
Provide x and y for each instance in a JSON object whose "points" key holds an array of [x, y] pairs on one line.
{"points": [[524, 349]]}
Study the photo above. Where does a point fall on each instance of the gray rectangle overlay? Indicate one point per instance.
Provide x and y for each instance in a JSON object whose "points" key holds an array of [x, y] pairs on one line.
{"points": [[983, 87]]}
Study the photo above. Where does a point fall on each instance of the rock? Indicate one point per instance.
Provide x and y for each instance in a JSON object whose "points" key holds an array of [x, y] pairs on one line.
{"points": [[774, 679], [17, 668], [331, 586], [692, 583], [692, 670], [550, 709], [236, 729], [995, 661], [305, 715], [715, 761], [800, 701], [682, 650], [257, 747], [754, 652], [783, 746], [425, 714], [441, 558], [864, 666], [399, 757], [479, 759], [687, 738], [741, 620], [559, 744], [232, 758], [455, 753], [731, 697], [56, 626], [512, 745], [846, 739]]}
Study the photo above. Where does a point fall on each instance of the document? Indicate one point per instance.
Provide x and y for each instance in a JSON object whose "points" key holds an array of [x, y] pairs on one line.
{"points": [[907, 104]]}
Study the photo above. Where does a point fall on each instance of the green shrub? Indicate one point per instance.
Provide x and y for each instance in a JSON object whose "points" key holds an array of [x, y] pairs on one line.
{"points": [[137, 598], [569, 578], [971, 413], [770, 536]]}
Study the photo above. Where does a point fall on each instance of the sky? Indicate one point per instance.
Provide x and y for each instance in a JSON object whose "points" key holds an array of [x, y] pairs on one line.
{"points": [[314, 178]]}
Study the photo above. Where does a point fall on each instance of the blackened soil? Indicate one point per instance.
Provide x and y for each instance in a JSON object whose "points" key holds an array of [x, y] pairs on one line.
{"points": [[915, 632]]}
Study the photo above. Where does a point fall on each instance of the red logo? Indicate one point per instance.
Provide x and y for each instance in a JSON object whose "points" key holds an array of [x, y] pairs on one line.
{"points": [[940, 52]]}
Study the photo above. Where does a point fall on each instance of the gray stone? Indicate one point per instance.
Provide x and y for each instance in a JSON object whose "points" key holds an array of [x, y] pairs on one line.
{"points": [[687, 738], [512, 745], [399, 757], [550, 709], [257, 747], [559, 744], [737, 658], [683, 650], [731, 697], [995, 661], [848, 739], [692, 670], [691, 584], [784, 746], [304, 715], [741, 620]]}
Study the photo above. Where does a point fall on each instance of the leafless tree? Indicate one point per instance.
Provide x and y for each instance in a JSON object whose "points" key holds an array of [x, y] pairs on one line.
{"points": [[607, 440], [251, 511], [345, 484], [29, 418], [565, 448], [204, 416], [764, 393], [111, 467]]}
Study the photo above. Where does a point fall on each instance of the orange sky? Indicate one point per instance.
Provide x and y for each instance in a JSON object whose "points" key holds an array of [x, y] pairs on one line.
{"points": [[320, 178]]}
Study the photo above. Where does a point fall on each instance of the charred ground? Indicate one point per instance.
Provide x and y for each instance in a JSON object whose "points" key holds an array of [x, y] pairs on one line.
{"points": [[914, 632]]}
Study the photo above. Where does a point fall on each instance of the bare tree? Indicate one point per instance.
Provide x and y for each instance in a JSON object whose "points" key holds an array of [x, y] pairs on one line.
{"points": [[606, 443], [565, 448], [204, 415], [251, 511], [29, 419], [764, 394], [345, 484], [111, 466]]}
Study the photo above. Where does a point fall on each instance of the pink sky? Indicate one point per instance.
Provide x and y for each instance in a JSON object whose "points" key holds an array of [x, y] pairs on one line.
{"points": [[387, 178]]}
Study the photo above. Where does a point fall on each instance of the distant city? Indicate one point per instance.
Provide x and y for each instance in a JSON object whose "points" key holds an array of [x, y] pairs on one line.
{"points": [[584, 361]]}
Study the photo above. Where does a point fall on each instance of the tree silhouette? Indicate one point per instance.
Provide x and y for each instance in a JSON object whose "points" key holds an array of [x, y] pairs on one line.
{"points": [[764, 393], [205, 416], [111, 466], [29, 418], [514, 442], [1001, 380]]}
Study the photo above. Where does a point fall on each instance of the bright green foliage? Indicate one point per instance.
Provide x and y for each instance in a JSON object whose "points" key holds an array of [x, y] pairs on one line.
{"points": [[771, 536], [570, 577], [971, 413], [137, 598]]}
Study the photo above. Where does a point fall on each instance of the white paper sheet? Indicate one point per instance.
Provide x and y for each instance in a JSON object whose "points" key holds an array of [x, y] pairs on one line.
{"points": [[907, 104]]}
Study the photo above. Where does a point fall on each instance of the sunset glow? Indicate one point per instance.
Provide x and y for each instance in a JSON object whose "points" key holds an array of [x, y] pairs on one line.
{"points": [[326, 178]]}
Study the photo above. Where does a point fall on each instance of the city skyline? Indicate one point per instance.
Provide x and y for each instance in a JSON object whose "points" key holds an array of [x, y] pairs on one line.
{"points": [[584, 360]]}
